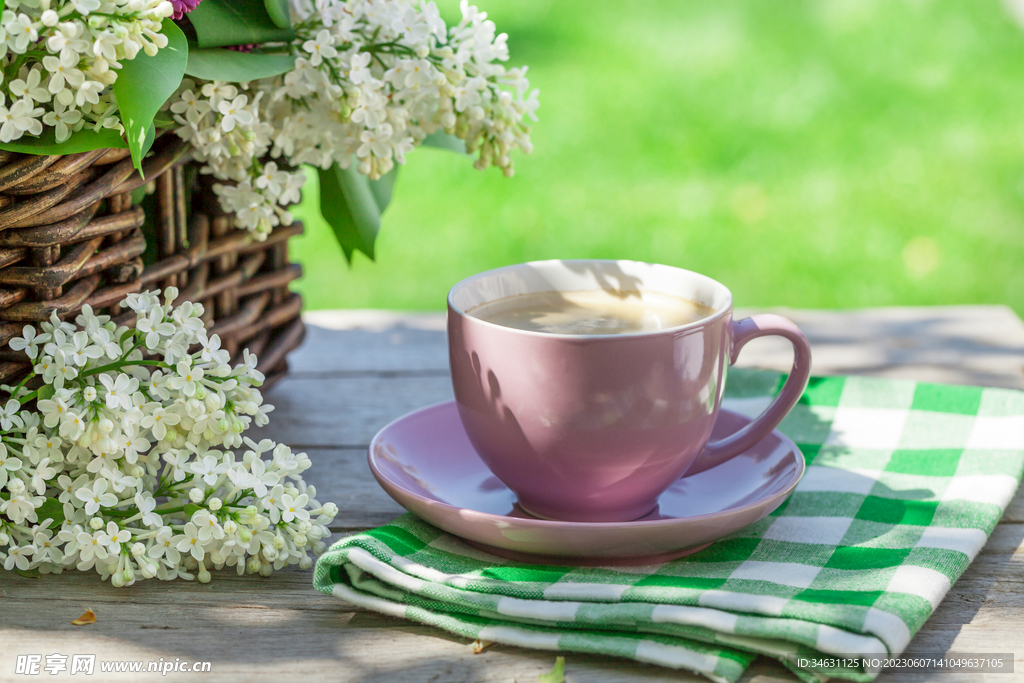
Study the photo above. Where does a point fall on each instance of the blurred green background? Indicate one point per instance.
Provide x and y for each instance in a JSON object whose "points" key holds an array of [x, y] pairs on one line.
{"points": [[820, 153]]}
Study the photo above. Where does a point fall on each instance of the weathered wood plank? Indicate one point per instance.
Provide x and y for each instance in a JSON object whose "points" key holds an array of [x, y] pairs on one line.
{"points": [[198, 622], [371, 341], [358, 648], [342, 477], [345, 411], [359, 370], [1015, 510], [981, 345], [252, 626], [955, 344]]}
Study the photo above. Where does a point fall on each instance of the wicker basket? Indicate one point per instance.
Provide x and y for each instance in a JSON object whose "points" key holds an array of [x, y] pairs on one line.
{"points": [[71, 235]]}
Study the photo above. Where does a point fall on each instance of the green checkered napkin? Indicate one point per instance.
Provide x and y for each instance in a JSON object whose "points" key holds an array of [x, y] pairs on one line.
{"points": [[905, 482]]}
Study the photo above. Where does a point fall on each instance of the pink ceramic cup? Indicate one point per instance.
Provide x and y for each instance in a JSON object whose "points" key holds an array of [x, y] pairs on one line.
{"points": [[595, 428]]}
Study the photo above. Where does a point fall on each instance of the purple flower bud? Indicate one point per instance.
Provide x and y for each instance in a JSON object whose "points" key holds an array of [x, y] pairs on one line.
{"points": [[183, 7]]}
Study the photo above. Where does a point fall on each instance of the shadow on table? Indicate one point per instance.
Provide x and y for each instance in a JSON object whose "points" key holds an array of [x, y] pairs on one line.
{"points": [[976, 345], [242, 621]]}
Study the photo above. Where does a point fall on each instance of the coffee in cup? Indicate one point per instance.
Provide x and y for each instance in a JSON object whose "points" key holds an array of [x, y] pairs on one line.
{"points": [[589, 387], [591, 312]]}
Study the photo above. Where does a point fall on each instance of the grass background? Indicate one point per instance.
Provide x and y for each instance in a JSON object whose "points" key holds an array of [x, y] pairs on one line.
{"points": [[819, 153]]}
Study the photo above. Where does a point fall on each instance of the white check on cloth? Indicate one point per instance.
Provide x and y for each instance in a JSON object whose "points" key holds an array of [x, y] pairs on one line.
{"points": [[905, 482]]}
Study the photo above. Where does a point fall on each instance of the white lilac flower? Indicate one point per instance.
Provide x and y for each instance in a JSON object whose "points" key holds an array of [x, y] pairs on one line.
{"points": [[243, 478], [402, 75], [212, 350], [104, 340], [17, 558], [9, 417], [67, 487], [294, 507], [43, 473], [209, 527], [321, 47], [8, 463], [116, 536], [92, 545], [190, 103], [209, 467], [27, 342], [234, 112], [164, 546], [66, 42], [189, 317], [250, 362], [53, 409], [112, 436], [20, 506], [56, 371], [147, 504], [49, 446], [191, 542], [88, 93], [131, 444], [79, 349], [47, 548], [178, 461], [22, 117], [21, 32], [65, 121], [187, 379], [263, 477], [86, 6], [72, 426], [159, 419], [119, 390], [120, 481], [154, 326], [95, 496], [29, 88], [65, 75], [272, 503], [271, 180]]}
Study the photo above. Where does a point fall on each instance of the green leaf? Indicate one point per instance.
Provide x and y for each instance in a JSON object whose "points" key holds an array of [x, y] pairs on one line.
{"points": [[218, 64], [143, 86], [352, 205], [45, 392], [138, 194], [82, 141], [30, 573], [236, 22], [443, 140], [51, 509], [556, 675], [191, 509], [147, 143], [279, 13]]}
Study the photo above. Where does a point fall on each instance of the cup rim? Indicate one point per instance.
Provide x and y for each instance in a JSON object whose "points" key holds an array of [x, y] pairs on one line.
{"points": [[723, 311]]}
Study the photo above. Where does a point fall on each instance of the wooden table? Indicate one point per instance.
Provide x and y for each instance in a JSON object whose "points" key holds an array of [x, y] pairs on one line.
{"points": [[358, 370]]}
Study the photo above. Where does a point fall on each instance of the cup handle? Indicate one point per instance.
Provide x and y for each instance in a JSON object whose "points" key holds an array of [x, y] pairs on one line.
{"points": [[742, 331]]}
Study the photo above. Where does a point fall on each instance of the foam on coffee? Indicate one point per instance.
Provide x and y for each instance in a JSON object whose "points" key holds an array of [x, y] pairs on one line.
{"points": [[591, 312]]}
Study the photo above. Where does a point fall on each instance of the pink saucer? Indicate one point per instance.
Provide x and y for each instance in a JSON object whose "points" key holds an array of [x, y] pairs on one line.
{"points": [[425, 462]]}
